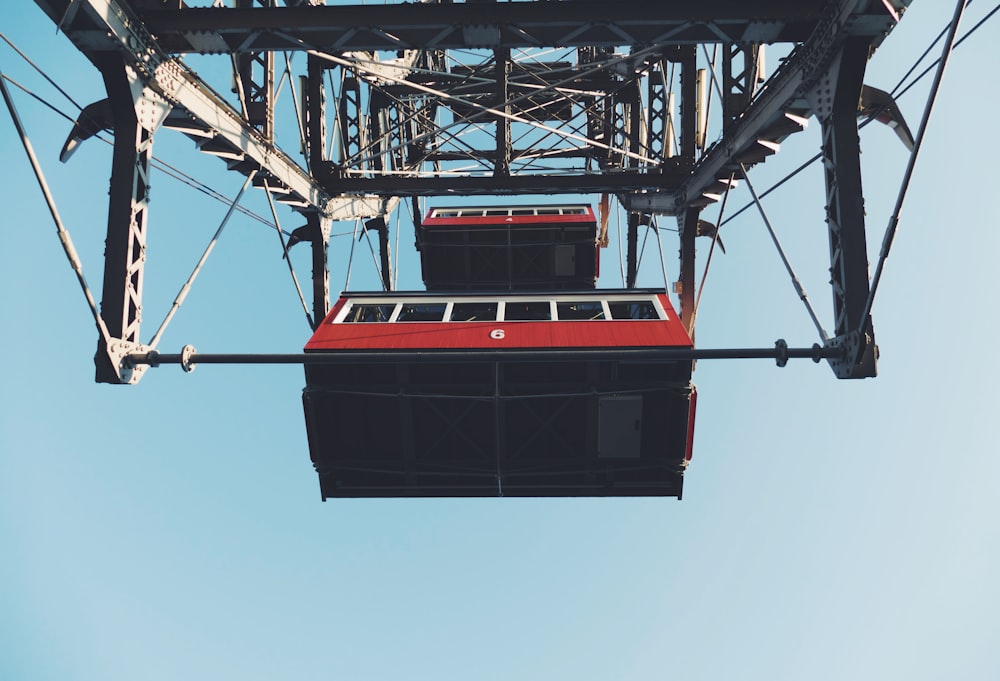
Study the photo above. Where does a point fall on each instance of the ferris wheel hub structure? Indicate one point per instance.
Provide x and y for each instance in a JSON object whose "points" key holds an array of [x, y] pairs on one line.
{"points": [[401, 101]]}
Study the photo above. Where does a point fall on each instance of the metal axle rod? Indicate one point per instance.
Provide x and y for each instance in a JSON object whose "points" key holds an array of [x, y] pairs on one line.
{"points": [[781, 353]]}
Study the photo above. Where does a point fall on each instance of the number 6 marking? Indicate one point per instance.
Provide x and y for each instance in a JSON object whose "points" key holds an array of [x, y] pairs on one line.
{"points": [[496, 334]]}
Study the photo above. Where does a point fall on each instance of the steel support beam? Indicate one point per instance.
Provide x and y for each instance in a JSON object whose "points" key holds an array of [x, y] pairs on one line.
{"points": [[687, 227], [740, 71], [597, 107], [501, 166], [135, 115], [451, 185], [687, 57], [319, 229], [119, 31], [632, 250], [314, 114], [351, 123], [378, 225], [393, 146], [837, 99], [632, 120], [256, 78], [659, 114], [443, 26], [786, 93]]}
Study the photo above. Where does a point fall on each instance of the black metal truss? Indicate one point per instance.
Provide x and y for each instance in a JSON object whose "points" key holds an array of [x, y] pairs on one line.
{"points": [[255, 69], [351, 116], [128, 215], [446, 26], [494, 185], [779, 110], [687, 227], [837, 109], [101, 28], [741, 73], [570, 118], [319, 236], [409, 119]]}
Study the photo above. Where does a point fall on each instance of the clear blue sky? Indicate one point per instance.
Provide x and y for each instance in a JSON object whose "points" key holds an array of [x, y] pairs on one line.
{"points": [[830, 530]]}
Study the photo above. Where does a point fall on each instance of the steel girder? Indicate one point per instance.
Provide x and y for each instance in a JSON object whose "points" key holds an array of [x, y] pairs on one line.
{"points": [[570, 118], [484, 25], [687, 227], [135, 115], [97, 27], [319, 235], [397, 144], [255, 70], [741, 69], [780, 109], [836, 100], [502, 70]]}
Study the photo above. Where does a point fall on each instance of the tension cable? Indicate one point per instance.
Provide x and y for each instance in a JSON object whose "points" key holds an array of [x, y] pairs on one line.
{"points": [[67, 242], [284, 250], [799, 288], [890, 230], [186, 288], [711, 250]]}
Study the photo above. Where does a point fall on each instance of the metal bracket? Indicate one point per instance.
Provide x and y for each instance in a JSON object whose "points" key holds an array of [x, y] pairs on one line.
{"points": [[859, 356], [119, 353]]}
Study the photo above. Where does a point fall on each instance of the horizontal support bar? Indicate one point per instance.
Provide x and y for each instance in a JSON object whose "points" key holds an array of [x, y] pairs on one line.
{"points": [[781, 353], [469, 185]]}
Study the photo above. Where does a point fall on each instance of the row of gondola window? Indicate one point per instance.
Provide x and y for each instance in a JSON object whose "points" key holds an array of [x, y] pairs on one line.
{"points": [[512, 212], [492, 310]]}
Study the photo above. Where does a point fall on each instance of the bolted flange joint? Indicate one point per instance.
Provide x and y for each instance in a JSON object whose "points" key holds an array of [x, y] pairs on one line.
{"points": [[781, 352], [187, 352]]}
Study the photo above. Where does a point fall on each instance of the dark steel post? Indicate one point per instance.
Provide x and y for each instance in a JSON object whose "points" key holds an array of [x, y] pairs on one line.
{"points": [[687, 226], [125, 246], [632, 249], [838, 98], [256, 71], [501, 168], [319, 228]]}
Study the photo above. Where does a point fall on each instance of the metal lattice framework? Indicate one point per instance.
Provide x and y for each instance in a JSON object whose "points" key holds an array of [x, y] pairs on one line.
{"points": [[488, 98]]}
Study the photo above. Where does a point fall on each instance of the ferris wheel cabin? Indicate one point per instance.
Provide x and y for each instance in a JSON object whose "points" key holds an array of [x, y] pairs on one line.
{"points": [[567, 393], [509, 247]]}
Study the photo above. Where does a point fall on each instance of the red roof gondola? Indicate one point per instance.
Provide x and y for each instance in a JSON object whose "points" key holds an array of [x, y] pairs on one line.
{"points": [[540, 394], [509, 247]]}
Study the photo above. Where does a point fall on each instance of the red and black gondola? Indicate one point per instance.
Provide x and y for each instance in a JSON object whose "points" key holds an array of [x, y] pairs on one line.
{"points": [[561, 393], [509, 247]]}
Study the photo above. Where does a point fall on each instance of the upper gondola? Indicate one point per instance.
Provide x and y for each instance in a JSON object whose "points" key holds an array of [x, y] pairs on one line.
{"points": [[489, 248]]}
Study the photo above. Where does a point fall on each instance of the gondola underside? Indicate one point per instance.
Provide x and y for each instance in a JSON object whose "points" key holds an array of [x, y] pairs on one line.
{"points": [[599, 427]]}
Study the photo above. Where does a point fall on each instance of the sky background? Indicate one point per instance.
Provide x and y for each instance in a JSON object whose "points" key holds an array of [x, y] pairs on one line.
{"points": [[829, 529]]}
